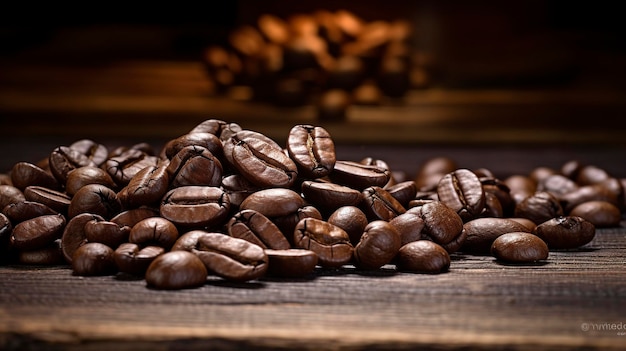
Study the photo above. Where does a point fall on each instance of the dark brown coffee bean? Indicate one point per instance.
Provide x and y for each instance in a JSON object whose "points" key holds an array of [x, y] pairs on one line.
{"points": [[97, 153], [571, 168], [231, 258], [591, 174], [481, 233], [540, 174], [64, 159], [330, 196], [176, 270], [274, 202], [519, 247], [134, 216], [462, 191], [291, 263], [82, 176], [25, 210], [9, 195], [194, 165], [609, 191], [74, 235], [599, 213], [154, 231], [254, 227], [24, 174], [124, 167], [496, 188], [287, 223], [539, 207], [312, 149], [208, 141], [441, 225], [404, 192], [96, 199], [493, 207], [56, 200], [37, 232], [238, 188], [147, 187], [378, 204], [359, 176], [379, 244], [195, 206], [188, 240], [409, 225], [557, 185], [93, 259], [423, 256], [352, 220], [106, 232], [235, 135], [330, 243], [134, 259], [567, 232], [432, 170], [46, 256], [520, 187]]}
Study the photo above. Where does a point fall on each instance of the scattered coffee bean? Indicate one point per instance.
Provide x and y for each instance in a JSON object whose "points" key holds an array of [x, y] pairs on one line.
{"points": [[93, 259], [423, 256], [176, 270], [519, 247]]}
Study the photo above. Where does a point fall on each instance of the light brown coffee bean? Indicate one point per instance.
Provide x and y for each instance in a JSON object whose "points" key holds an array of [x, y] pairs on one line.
{"points": [[176, 270], [423, 256]]}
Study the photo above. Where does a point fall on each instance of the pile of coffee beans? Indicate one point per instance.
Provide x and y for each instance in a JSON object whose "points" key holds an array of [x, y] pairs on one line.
{"points": [[326, 59], [231, 203]]}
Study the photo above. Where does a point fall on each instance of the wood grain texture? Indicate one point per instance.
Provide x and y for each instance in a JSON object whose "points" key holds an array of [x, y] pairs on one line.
{"points": [[478, 304]]}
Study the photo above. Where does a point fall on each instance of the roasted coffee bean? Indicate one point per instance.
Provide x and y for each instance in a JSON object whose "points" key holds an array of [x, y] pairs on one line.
{"points": [[409, 226], [497, 188], [263, 163], [56, 200], [571, 169], [359, 176], [330, 243], [124, 167], [599, 213], [287, 223], [379, 244], [24, 174], [105, 232], [481, 233], [557, 185], [96, 199], [540, 174], [147, 187], [566, 232], [154, 231], [235, 135], [291, 263], [254, 227], [134, 259], [93, 259], [45, 256], [591, 174], [194, 165], [74, 235], [131, 217], [352, 220], [609, 191], [312, 149], [423, 256], [519, 247], [238, 188], [195, 206], [539, 207], [64, 159], [432, 170], [273, 202], [82, 176], [520, 187], [37, 232], [404, 192], [9, 195], [330, 196], [378, 204], [493, 207], [231, 258], [208, 141], [25, 210], [530, 225], [441, 225], [176, 270], [97, 153], [188, 240], [462, 191]]}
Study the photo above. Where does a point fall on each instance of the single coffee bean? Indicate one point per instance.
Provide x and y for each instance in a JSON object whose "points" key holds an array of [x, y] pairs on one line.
{"points": [[330, 243], [124, 167], [106, 232], [462, 191], [82, 176], [154, 231], [591, 174], [64, 159], [46, 256], [442, 225], [133, 259], [25, 210], [557, 185], [432, 170], [131, 217], [496, 188], [208, 141], [273, 202], [188, 240], [96, 199], [379, 244], [287, 223], [254, 227], [93, 259], [194, 165], [97, 153], [359, 176], [599, 213], [352, 220], [539, 207], [312, 149], [566, 232], [291, 263], [238, 188], [519, 247], [176, 270], [540, 174], [378, 204], [231, 258], [330, 196], [24, 174], [404, 192], [571, 169], [37, 232], [481, 232], [423, 256], [236, 135], [493, 207], [74, 235], [56, 200], [409, 226], [9, 195], [147, 187], [196, 206], [520, 187]]}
